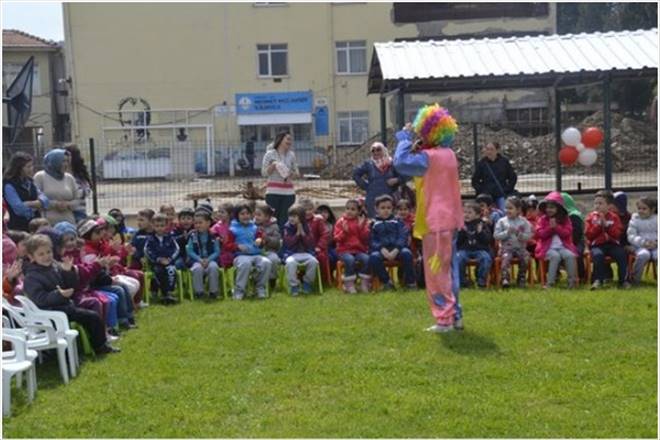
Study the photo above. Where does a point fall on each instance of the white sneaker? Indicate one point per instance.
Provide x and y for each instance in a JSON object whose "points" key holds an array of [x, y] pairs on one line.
{"points": [[143, 305], [437, 328], [111, 338], [458, 324]]}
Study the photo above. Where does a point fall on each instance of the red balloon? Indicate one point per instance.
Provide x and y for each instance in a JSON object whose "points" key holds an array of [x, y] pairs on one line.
{"points": [[592, 137], [568, 155]]}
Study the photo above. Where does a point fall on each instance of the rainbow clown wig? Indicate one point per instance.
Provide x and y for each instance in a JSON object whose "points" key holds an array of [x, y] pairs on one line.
{"points": [[435, 126]]}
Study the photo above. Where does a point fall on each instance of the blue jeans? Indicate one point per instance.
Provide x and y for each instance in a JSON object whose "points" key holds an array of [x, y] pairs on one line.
{"points": [[617, 253], [455, 281], [377, 264], [484, 262], [124, 302], [350, 260], [113, 300]]}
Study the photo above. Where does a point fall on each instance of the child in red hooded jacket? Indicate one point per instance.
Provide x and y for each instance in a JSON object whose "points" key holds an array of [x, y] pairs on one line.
{"points": [[554, 239], [603, 233], [352, 237]]}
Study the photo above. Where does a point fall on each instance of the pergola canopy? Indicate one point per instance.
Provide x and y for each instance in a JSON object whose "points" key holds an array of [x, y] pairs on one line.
{"points": [[516, 62]]}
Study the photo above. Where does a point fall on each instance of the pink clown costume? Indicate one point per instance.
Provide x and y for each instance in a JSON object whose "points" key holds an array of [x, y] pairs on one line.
{"points": [[439, 208]]}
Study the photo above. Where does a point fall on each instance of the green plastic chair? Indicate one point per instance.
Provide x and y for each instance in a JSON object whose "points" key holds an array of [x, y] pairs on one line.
{"points": [[284, 283], [149, 276], [85, 344], [230, 278], [222, 275]]}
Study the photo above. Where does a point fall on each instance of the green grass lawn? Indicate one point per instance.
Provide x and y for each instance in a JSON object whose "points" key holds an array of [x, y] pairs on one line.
{"points": [[529, 364]]}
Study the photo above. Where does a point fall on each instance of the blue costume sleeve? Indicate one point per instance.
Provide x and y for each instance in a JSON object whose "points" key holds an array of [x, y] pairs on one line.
{"points": [[406, 162]]}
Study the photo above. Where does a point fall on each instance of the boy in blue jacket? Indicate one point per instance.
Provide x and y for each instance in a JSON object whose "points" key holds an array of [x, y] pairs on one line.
{"points": [[389, 241], [203, 252], [161, 249]]}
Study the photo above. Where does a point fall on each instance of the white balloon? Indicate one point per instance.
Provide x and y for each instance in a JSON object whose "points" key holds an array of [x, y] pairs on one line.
{"points": [[588, 157], [580, 147], [571, 136]]}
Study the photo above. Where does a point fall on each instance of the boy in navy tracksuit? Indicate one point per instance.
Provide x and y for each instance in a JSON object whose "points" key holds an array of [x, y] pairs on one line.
{"points": [[389, 241], [162, 250], [145, 229]]}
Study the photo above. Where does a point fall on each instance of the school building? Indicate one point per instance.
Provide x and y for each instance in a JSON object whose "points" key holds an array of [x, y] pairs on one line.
{"points": [[170, 90]]}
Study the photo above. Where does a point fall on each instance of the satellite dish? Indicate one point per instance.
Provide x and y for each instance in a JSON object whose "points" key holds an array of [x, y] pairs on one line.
{"points": [[19, 100]]}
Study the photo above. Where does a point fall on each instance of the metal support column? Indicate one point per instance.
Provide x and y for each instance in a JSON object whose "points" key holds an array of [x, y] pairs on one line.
{"points": [[92, 164], [557, 139], [400, 109], [383, 120], [607, 124], [475, 144]]}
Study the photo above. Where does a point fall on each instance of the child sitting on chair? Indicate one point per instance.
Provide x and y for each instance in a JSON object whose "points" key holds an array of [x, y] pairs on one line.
{"points": [[245, 241], [221, 230], [299, 249], [352, 237], [473, 242], [389, 242], [271, 238], [603, 233], [513, 231], [554, 239], [202, 251], [643, 235], [161, 249]]}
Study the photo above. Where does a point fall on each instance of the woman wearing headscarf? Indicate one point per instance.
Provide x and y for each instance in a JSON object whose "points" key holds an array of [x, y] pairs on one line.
{"points": [[377, 176], [60, 187], [24, 201], [577, 221], [78, 169]]}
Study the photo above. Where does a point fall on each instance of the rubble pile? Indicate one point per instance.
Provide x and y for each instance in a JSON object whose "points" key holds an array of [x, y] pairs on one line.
{"points": [[634, 148]]}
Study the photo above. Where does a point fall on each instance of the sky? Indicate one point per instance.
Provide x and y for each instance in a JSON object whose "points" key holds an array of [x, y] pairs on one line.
{"points": [[43, 19]]}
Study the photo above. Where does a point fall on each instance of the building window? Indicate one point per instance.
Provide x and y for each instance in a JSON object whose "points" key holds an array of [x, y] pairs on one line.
{"points": [[351, 57], [11, 70], [272, 59], [352, 127]]}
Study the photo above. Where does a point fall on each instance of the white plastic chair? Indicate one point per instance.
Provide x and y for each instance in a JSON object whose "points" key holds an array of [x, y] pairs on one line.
{"points": [[41, 335], [15, 362], [61, 323]]}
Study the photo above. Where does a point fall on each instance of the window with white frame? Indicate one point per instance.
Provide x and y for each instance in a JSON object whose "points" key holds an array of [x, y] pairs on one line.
{"points": [[351, 57], [352, 127], [11, 70], [272, 59]]}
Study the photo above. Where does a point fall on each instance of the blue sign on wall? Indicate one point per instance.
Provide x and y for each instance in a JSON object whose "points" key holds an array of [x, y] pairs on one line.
{"points": [[287, 102], [321, 125]]}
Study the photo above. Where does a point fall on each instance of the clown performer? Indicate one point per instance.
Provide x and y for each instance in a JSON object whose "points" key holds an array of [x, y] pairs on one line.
{"points": [[423, 152]]}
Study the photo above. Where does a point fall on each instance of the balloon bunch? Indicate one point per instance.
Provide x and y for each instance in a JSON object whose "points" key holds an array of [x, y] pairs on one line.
{"points": [[580, 147]]}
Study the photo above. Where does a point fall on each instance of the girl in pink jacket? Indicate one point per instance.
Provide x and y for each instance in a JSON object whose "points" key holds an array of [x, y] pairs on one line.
{"points": [[554, 239]]}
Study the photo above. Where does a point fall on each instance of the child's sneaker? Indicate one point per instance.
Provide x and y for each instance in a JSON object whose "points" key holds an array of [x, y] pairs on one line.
{"points": [[411, 286], [626, 285], [365, 285], [295, 290], [437, 328], [349, 286], [388, 287], [306, 288], [458, 324], [111, 337], [505, 284], [238, 296], [199, 295], [596, 285], [143, 305], [213, 295]]}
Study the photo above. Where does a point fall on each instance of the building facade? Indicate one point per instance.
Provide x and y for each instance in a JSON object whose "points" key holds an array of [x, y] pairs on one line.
{"points": [[222, 79], [48, 120]]}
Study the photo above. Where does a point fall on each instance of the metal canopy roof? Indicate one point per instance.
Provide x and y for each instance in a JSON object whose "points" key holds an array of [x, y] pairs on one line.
{"points": [[516, 62]]}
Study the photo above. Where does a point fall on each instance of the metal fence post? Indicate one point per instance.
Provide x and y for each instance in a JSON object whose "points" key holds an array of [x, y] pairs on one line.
{"points": [[92, 160], [383, 120], [475, 145], [606, 128], [557, 140]]}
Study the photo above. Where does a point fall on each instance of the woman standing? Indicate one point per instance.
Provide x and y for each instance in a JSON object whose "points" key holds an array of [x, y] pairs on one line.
{"points": [[377, 176], [60, 187], [78, 170], [280, 168], [494, 175], [23, 199]]}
